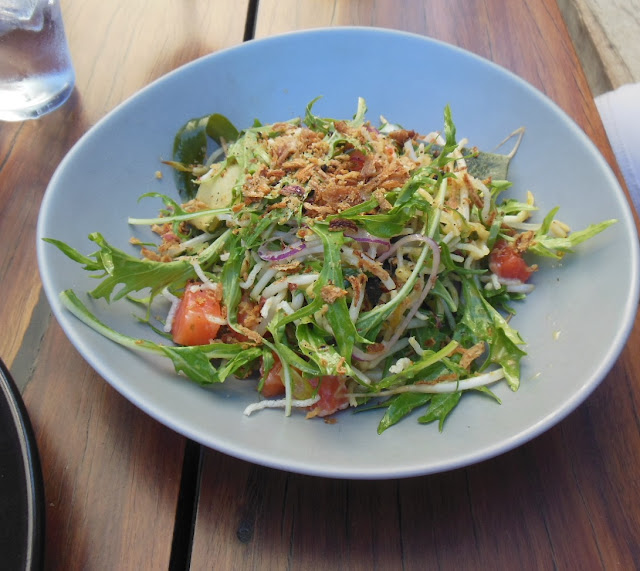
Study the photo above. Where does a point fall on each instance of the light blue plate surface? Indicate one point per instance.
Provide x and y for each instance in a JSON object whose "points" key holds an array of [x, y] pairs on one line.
{"points": [[576, 322]]}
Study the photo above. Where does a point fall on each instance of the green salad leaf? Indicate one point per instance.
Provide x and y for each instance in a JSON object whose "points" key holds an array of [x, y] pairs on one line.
{"points": [[335, 263]]}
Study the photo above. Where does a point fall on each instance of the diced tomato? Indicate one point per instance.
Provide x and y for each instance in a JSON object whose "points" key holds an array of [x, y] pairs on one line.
{"points": [[333, 395], [195, 321], [273, 385], [507, 262], [332, 389]]}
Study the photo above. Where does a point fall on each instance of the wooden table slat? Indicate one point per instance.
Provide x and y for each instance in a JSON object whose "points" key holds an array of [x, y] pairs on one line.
{"points": [[111, 473]]}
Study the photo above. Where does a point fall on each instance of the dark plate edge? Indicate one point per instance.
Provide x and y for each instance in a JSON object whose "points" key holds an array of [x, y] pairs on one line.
{"points": [[33, 472]]}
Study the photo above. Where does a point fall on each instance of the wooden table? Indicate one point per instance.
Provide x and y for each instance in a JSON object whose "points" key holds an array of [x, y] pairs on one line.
{"points": [[124, 492], [606, 34]]}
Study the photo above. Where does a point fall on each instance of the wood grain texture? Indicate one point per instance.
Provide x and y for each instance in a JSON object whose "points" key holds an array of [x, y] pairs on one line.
{"points": [[567, 500], [607, 37], [111, 473], [29, 155], [137, 42]]}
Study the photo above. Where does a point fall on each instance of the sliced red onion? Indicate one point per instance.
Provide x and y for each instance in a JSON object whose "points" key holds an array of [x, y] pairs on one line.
{"points": [[364, 237], [280, 255]]}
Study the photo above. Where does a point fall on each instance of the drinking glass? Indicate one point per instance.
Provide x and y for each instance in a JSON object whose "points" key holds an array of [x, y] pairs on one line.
{"points": [[36, 72]]}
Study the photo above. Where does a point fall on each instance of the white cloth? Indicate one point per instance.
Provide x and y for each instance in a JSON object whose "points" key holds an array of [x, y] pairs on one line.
{"points": [[620, 113]]}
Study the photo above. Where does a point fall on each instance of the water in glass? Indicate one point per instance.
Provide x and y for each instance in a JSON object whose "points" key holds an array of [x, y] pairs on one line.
{"points": [[36, 73]]}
